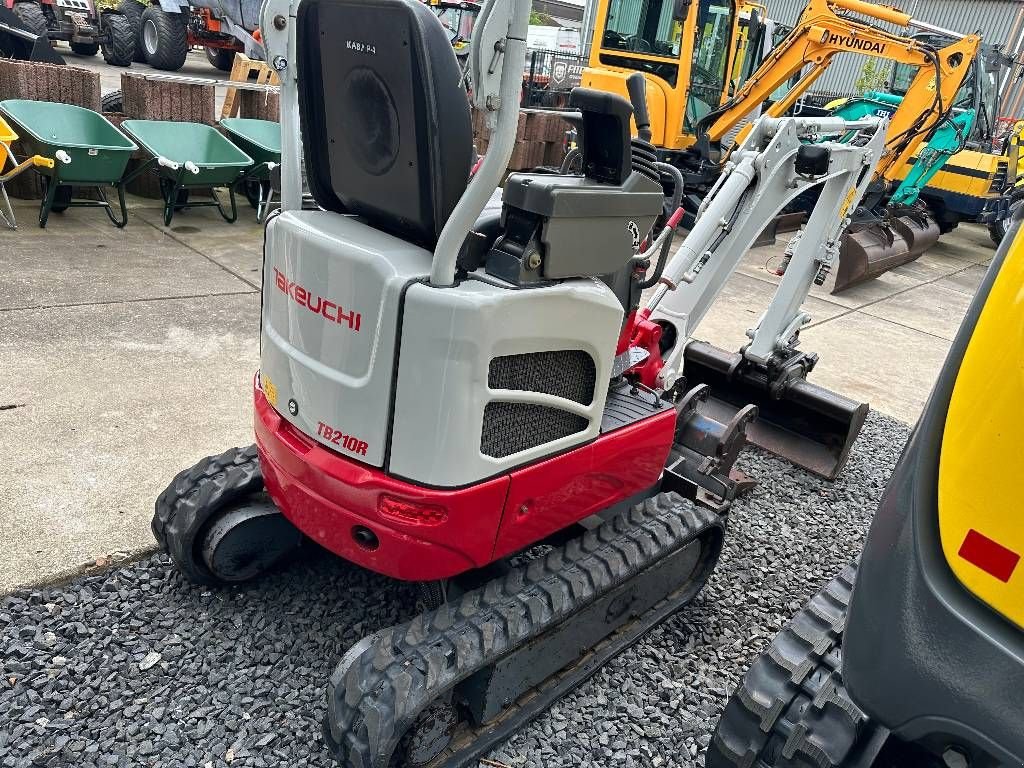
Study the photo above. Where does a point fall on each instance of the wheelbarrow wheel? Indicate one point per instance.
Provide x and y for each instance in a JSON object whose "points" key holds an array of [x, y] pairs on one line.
{"points": [[182, 198], [119, 35], [133, 11], [31, 14], [255, 191], [62, 199], [164, 38]]}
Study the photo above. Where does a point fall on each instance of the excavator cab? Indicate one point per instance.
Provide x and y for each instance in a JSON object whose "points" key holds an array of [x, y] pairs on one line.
{"points": [[675, 43]]}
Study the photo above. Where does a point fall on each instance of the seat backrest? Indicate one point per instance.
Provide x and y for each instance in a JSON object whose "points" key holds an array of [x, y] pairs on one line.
{"points": [[385, 117]]}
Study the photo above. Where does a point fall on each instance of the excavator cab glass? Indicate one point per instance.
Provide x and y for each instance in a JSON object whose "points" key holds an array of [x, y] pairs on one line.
{"points": [[710, 59], [649, 27]]}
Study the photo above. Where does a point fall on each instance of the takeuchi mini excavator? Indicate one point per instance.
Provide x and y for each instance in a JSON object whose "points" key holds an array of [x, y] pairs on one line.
{"points": [[443, 388], [696, 111], [914, 656]]}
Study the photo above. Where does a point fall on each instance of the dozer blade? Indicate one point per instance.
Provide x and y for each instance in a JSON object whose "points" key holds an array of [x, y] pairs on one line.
{"points": [[804, 423], [19, 42], [872, 249]]}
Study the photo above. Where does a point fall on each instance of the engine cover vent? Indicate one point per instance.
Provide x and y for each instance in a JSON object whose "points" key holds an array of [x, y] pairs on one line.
{"points": [[569, 374], [509, 428], [513, 427]]}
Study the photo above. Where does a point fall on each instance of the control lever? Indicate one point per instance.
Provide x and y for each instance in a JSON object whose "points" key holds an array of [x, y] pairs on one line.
{"points": [[636, 84]]}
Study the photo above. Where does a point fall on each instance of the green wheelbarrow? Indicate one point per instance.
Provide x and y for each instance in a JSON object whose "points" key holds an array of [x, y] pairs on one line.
{"points": [[189, 156], [88, 152], [261, 140]]}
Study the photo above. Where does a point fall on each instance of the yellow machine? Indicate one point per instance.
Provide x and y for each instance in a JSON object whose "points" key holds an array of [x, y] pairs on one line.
{"points": [[695, 113], [915, 657]]}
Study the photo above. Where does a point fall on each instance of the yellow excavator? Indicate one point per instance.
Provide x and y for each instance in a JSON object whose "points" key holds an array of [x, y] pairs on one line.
{"points": [[685, 48]]}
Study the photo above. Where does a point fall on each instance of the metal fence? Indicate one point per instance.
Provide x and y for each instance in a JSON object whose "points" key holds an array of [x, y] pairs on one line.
{"points": [[549, 77]]}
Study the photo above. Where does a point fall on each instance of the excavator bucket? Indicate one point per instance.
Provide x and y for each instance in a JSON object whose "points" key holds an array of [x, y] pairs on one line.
{"points": [[873, 248], [802, 422], [19, 42]]}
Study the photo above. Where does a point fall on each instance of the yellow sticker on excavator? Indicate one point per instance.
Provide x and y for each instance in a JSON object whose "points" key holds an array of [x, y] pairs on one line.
{"points": [[932, 85], [269, 390]]}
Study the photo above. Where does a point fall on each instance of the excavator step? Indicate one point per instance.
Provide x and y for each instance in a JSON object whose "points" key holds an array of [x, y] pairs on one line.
{"points": [[446, 687]]}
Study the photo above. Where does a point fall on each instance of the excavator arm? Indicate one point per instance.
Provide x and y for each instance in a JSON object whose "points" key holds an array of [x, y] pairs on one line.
{"points": [[821, 34]]}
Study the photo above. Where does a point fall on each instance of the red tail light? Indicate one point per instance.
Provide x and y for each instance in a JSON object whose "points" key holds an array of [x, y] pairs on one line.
{"points": [[412, 512]]}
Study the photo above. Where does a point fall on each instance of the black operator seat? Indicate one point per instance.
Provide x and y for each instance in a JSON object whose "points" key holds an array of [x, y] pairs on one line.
{"points": [[385, 118]]}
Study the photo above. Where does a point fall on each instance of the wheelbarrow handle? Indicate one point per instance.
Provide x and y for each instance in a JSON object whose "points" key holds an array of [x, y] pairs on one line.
{"points": [[42, 162], [189, 165]]}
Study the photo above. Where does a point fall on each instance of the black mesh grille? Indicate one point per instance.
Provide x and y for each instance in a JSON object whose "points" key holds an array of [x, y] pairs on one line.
{"points": [[570, 374], [513, 427]]}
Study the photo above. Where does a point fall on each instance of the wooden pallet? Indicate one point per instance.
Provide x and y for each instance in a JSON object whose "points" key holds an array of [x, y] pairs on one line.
{"points": [[241, 71]]}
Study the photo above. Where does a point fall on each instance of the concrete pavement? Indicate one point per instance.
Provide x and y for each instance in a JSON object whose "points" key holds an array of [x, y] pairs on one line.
{"points": [[127, 355]]}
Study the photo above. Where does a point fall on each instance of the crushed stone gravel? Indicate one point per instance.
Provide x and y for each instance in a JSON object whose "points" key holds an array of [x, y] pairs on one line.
{"points": [[135, 667]]}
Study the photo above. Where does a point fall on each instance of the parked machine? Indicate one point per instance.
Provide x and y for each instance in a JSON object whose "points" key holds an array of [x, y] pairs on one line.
{"points": [[166, 30], [442, 387], [915, 657], [696, 111], [458, 17], [77, 22]]}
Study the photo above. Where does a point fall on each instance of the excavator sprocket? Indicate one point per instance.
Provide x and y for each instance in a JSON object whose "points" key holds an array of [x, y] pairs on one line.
{"points": [[503, 653]]}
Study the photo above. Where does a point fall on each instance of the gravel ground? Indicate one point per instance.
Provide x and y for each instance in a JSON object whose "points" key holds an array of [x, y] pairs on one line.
{"points": [[134, 667]]}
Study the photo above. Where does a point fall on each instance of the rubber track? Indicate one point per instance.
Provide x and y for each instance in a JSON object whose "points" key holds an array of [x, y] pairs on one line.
{"points": [[384, 682], [192, 498], [792, 710]]}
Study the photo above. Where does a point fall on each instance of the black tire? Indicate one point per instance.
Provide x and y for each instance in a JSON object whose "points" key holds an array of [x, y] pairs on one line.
{"points": [[221, 58], [792, 709], [164, 38], [194, 497], [113, 102], [119, 33], [85, 49], [997, 231], [62, 200], [33, 17], [133, 11], [182, 198]]}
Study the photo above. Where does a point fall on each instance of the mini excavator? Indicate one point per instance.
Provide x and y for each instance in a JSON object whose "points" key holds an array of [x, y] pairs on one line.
{"points": [[914, 656], [696, 111], [479, 401]]}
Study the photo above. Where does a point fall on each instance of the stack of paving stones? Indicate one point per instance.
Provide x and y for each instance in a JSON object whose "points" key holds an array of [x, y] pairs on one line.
{"points": [[135, 667], [540, 139]]}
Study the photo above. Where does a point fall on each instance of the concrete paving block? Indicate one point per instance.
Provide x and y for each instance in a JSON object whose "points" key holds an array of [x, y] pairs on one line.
{"points": [[928, 308], [79, 261], [741, 305], [111, 402], [889, 366], [966, 281]]}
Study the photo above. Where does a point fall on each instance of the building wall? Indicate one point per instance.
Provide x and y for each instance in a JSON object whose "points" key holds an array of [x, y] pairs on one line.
{"points": [[999, 21]]}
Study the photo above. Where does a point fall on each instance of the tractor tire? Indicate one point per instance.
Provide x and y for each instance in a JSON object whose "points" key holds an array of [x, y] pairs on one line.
{"points": [[997, 229], [164, 38], [113, 102], [133, 11], [792, 709], [221, 58], [85, 49], [205, 498], [33, 17], [119, 50]]}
